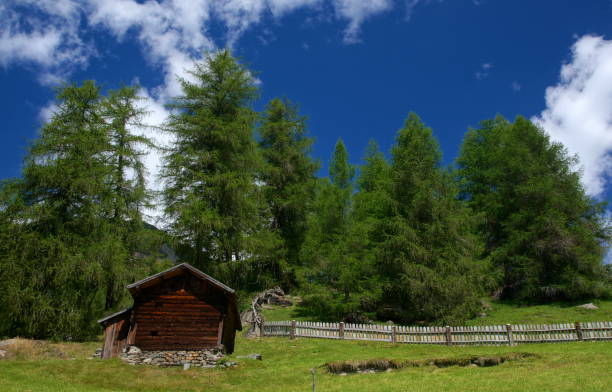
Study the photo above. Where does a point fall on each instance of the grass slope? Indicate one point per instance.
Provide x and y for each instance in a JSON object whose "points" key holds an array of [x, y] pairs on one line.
{"points": [[65, 367], [560, 312], [286, 367]]}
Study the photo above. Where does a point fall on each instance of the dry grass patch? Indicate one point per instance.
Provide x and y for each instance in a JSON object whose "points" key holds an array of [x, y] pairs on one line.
{"points": [[29, 349]]}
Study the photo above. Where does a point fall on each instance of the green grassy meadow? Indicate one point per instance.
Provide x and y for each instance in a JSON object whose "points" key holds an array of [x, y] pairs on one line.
{"points": [[558, 312], [286, 365]]}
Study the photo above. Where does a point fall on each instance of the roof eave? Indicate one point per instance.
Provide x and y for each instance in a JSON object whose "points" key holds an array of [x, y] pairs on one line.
{"points": [[195, 271], [111, 316]]}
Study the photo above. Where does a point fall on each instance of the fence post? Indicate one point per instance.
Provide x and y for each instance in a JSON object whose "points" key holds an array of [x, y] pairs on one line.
{"points": [[341, 330], [292, 333], [393, 334], [261, 329], [449, 337], [579, 330], [509, 333]]}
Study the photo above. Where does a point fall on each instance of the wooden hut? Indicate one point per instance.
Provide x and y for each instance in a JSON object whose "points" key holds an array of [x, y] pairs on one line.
{"points": [[181, 308]]}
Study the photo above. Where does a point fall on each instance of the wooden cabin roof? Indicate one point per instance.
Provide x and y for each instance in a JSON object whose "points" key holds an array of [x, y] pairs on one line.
{"points": [[174, 271], [112, 316], [170, 273]]}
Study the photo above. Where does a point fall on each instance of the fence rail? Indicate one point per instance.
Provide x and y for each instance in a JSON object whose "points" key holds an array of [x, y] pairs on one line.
{"points": [[476, 335]]}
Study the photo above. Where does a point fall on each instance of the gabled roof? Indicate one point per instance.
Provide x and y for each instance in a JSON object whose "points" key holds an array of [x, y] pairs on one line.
{"points": [[119, 313], [177, 269]]}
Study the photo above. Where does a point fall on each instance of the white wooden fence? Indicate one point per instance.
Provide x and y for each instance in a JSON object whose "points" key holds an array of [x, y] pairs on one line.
{"points": [[477, 335]]}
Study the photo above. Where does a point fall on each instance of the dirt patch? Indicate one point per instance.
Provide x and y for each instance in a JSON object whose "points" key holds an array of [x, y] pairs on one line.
{"points": [[380, 365]]}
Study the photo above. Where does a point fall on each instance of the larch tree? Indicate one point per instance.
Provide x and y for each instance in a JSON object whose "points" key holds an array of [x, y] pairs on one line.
{"points": [[212, 195], [68, 225], [328, 266], [53, 216], [428, 258], [547, 237], [288, 173], [123, 112]]}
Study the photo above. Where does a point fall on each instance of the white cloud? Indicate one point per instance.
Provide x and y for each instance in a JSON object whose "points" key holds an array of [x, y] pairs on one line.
{"points": [[282, 7], [410, 6], [483, 71], [45, 114], [356, 12], [49, 33], [48, 38], [37, 46], [579, 110]]}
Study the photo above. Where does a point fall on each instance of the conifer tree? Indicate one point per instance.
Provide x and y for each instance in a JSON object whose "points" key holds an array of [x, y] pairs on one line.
{"points": [[52, 218], [341, 172], [330, 267], [428, 257], [64, 245], [329, 220], [123, 113], [288, 173], [212, 197], [542, 231]]}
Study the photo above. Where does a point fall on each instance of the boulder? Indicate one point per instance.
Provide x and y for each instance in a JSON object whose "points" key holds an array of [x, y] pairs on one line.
{"points": [[588, 306]]}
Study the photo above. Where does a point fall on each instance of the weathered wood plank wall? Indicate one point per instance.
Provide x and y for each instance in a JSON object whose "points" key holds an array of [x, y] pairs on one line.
{"points": [[180, 322]]}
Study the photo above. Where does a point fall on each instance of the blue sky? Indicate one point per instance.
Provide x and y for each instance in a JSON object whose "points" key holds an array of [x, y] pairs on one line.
{"points": [[355, 67]]}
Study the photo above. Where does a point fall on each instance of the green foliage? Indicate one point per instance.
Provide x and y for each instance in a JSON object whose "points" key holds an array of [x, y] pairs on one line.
{"points": [[428, 256], [334, 277], [70, 228], [403, 247], [288, 174], [542, 231], [341, 172], [122, 112], [212, 199]]}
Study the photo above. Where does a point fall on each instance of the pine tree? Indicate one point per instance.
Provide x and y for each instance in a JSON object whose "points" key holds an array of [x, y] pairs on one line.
{"points": [[542, 231], [52, 218], [341, 172], [65, 236], [288, 174], [212, 197], [331, 211], [428, 256], [329, 266], [123, 113]]}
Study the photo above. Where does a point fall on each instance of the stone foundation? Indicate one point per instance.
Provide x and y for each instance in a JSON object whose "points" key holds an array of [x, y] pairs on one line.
{"points": [[201, 358]]}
